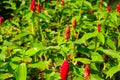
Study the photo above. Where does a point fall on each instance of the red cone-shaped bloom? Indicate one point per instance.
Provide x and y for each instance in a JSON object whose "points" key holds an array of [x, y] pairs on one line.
{"points": [[32, 5], [1, 20], [91, 11], [109, 8], [118, 8], [74, 23], [63, 3], [99, 27], [67, 33], [38, 8], [86, 72], [64, 70]]}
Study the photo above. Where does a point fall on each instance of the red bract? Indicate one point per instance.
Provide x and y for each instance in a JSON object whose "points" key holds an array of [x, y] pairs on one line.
{"points": [[38, 8], [91, 11], [86, 72], [63, 3], [64, 70], [43, 8], [99, 27], [32, 5], [118, 8], [109, 8], [67, 33], [1, 19], [74, 23]]}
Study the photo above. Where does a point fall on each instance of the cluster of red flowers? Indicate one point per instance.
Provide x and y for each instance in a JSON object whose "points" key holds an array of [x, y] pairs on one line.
{"points": [[67, 33], [1, 20], [33, 6], [64, 70], [86, 72]]}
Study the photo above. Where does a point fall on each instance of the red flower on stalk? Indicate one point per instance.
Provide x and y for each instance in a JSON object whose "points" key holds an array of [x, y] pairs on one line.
{"points": [[38, 8], [67, 33], [86, 72], [64, 70], [91, 11], [63, 3], [32, 5], [43, 8], [74, 23], [99, 27], [118, 8], [109, 8], [1, 20]]}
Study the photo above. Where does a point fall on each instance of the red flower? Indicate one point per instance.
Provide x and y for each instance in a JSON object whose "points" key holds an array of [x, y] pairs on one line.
{"points": [[38, 8], [118, 8], [1, 19], [109, 8], [43, 8], [32, 5], [64, 70], [63, 3], [67, 33], [74, 23], [99, 27], [86, 72], [91, 11]]}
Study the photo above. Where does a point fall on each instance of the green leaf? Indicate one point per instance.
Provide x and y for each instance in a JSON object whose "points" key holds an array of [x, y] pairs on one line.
{"points": [[85, 37], [112, 71], [32, 51], [21, 72], [111, 43], [83, 60], [112, 53], [101, 38], [96, 57], [40, 65], [5, 76]]}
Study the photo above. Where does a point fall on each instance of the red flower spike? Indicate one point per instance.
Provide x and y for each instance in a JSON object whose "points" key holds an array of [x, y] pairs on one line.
{"points": [[63, 3], [64, 70], [74, 23], [99, 27], [118, 8], [109, 8], [1, 20], [86, 72], [67, 33], [38, 8], [32, 5], [91, 11], [43, 8]]}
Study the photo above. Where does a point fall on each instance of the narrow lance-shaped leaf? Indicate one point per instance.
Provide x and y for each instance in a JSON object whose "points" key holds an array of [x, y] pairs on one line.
{"points": [[21, 72]]}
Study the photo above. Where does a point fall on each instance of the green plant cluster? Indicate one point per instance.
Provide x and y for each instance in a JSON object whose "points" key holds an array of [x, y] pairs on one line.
{"points": [[33, 47]]}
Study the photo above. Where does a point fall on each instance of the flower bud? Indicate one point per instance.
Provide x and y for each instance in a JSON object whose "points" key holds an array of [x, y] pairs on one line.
{"points": [[64, 70], [86, 72], [38, 8], [67, 33], [99, 27], [32, 5], [74, 23], [91, 11], [118, 8], [63, 3], [109, 8], [1, 20]]}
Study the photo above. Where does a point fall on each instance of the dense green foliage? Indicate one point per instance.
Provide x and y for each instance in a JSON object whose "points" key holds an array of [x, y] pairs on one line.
{"points": [[33, 44]]}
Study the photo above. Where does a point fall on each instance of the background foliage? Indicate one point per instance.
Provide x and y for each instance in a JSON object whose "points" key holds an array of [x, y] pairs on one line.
{"points": [[36, 41]]}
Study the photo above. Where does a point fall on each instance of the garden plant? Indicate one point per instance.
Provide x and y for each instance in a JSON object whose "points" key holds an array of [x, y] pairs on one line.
{"points": [[59, 40]]}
